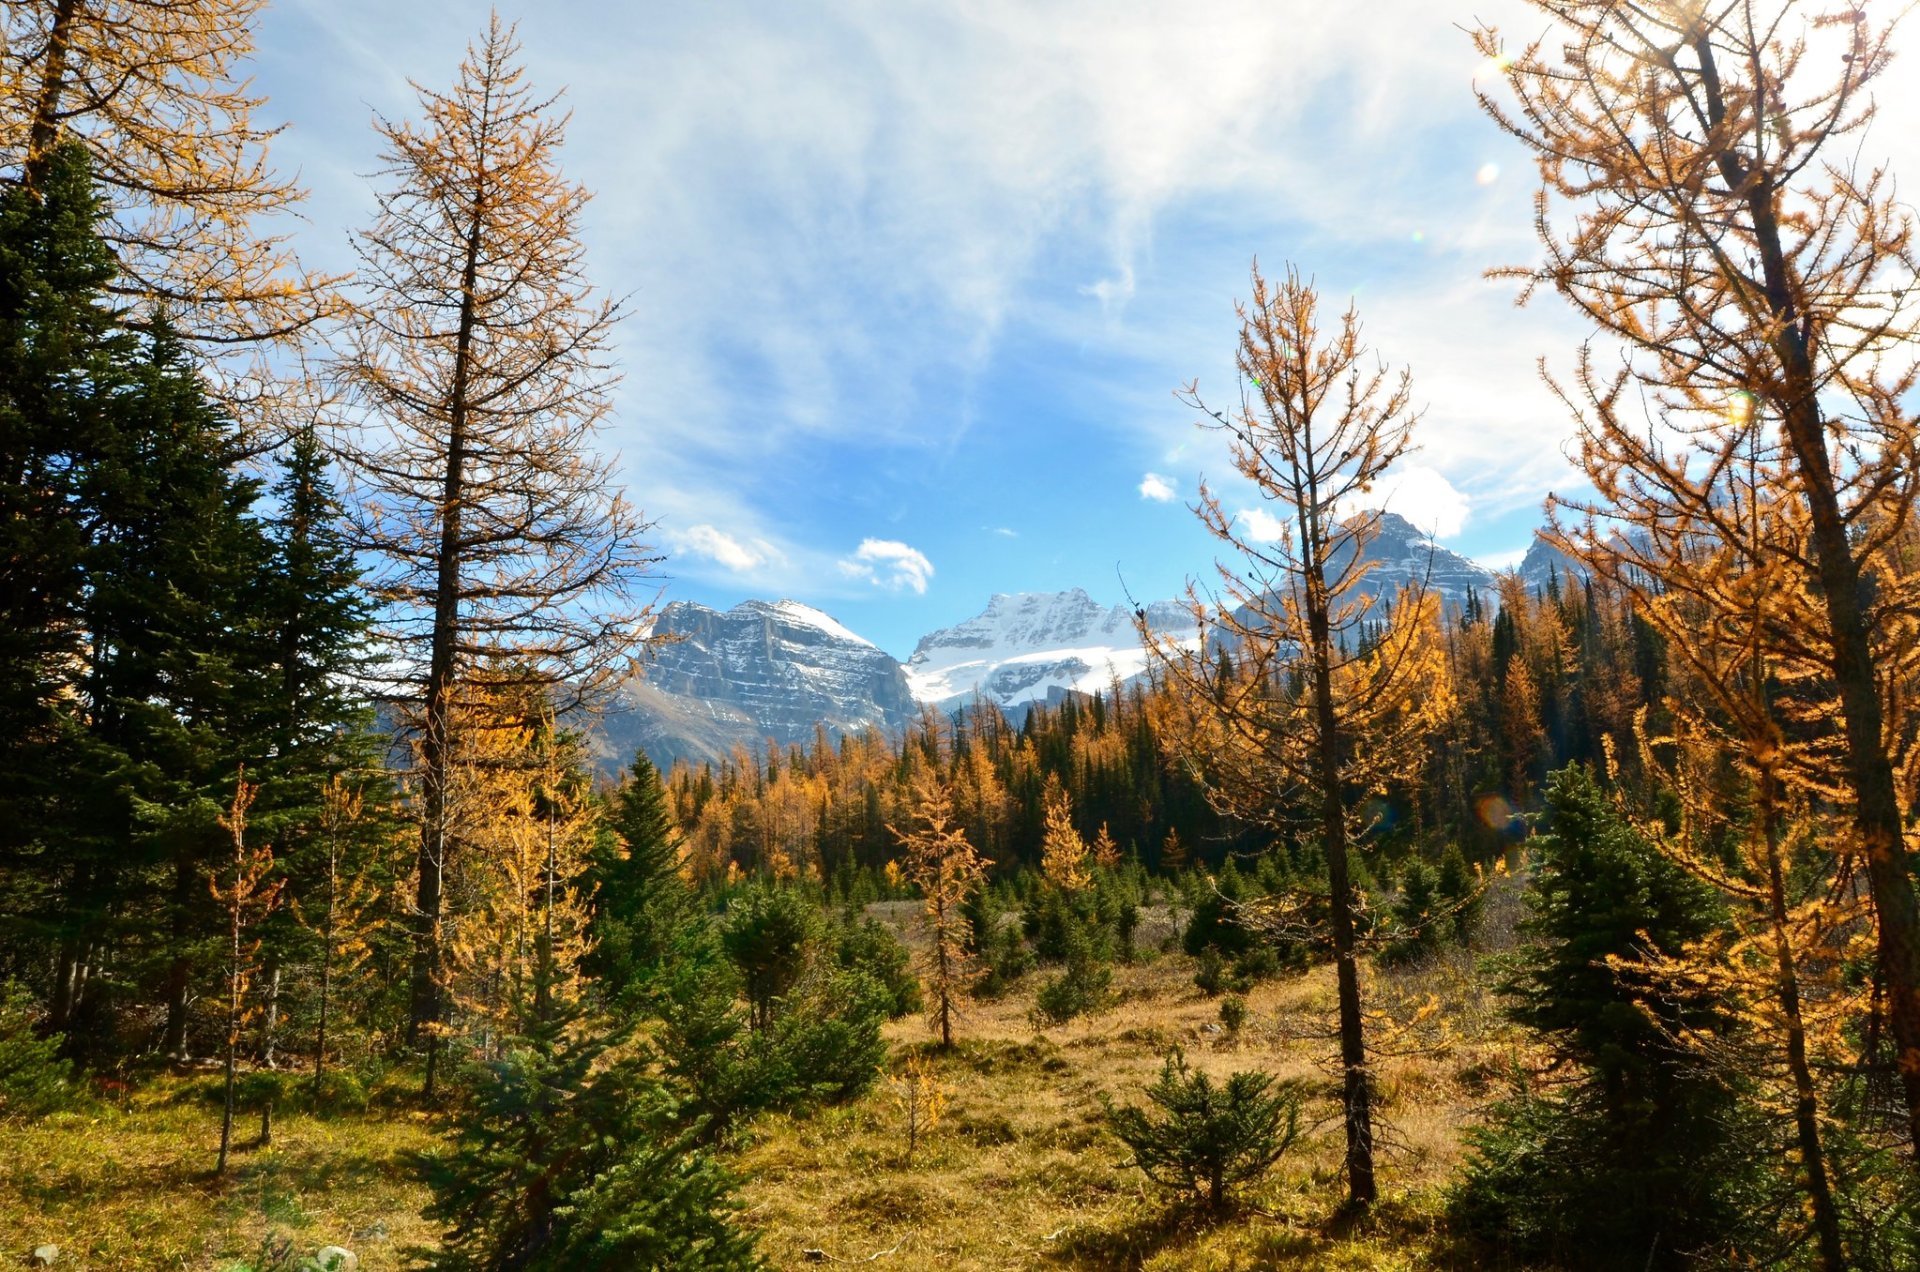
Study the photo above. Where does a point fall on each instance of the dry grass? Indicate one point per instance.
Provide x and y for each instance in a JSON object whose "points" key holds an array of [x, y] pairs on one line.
{"points": [[130, 1187], [1022, 1174]]}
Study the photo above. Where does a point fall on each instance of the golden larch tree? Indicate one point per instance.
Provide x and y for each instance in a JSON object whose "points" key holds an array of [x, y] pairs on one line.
{"points": [[481, 367], [1302, 719], [947, 869], [522, 826], [155, 91], [1703, 205], [1063, 853], [246, 891]]}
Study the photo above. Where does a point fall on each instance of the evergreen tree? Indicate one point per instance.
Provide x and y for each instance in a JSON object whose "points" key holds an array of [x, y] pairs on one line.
{"points": [[137, 652], [57, 340], [1636, 1160], [570, 1155], [641, 903], [1205, 1138]]}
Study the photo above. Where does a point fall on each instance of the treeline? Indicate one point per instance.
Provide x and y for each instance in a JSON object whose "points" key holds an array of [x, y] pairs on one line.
{"points": [[1540, 675]]}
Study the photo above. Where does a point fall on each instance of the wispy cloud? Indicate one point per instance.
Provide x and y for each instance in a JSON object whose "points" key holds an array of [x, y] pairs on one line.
{"points": [[724, 549], [890, 564]]}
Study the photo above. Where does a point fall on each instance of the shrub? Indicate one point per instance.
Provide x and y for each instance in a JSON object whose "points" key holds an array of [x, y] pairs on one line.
{"points": [[823, 1045], [1233, 1013], [1197, 1137], [1460, 893], [34, 1080], [1213, 925], [1081, 988], [663, 1204], [561, 1161], [871, 948], [1007, 960], [1417, 914], [1213, 977]]}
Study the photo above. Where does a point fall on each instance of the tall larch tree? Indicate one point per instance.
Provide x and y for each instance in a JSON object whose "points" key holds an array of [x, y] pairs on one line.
{"points": [[1703, 205], [1284, 712], [482, 368]]}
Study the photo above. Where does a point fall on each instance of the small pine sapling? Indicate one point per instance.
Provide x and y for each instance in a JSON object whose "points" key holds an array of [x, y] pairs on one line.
{"points": [[1201, 1138]]}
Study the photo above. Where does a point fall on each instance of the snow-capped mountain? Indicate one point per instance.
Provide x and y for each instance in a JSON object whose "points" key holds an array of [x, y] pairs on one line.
{"points": [[763, 669], [1404, 554], [1034, 646], [1544, 561], [779, 669]]}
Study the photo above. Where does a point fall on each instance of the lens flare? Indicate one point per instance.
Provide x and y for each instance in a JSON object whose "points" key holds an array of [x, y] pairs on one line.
{"points": [[1740, 405], [1496, 814], [1488, 174]]}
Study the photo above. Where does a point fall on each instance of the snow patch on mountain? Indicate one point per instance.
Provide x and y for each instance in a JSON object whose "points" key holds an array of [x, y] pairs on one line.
{"points": [[1032, 646], [807, 616]]}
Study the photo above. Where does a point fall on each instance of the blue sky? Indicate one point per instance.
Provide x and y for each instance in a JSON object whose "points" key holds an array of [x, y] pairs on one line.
{"points": [[911, 284]]}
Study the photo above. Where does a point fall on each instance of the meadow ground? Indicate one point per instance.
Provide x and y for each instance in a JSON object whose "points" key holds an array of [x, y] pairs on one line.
{"points": [[1019, 1172], [1022, 1173]]}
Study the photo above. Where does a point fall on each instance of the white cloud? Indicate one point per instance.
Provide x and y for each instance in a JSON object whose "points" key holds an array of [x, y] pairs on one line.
{"points": [[890, 564], [1422, 496], [724, 549], [1260, 525], [1157, 488], [1005, 532]]}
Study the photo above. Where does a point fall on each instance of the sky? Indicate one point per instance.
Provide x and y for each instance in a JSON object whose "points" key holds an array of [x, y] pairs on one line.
{"points": [[911, 285]]}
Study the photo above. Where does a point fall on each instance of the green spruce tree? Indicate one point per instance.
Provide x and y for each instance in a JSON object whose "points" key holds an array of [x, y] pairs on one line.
{"points": [[1628, 1151]]}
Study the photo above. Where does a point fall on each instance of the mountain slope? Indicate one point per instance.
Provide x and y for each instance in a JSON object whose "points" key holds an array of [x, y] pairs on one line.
{"points": [[763, 669]]}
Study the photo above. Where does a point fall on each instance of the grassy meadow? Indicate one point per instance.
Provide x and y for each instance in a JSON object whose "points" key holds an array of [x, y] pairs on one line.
{"points": [[1017, 1172]]}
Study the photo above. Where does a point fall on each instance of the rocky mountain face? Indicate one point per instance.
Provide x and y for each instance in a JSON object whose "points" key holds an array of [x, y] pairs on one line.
{"points": [[763, 669], [1036, 646], [1404, 554]]}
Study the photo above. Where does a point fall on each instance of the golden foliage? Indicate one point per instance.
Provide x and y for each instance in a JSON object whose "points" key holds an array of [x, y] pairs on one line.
{"points": [[1063, 853], [154, 90], [947, 870], [520, 828], [921, 1098]]}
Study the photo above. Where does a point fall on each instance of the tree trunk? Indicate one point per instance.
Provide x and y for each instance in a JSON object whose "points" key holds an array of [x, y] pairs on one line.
{"points": [[43, 134], [1355, 1093], [326, 964], [435, 752], [180, 971], [942, 946], [270, 1019], [1806, 1106], [233, 1019]]}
